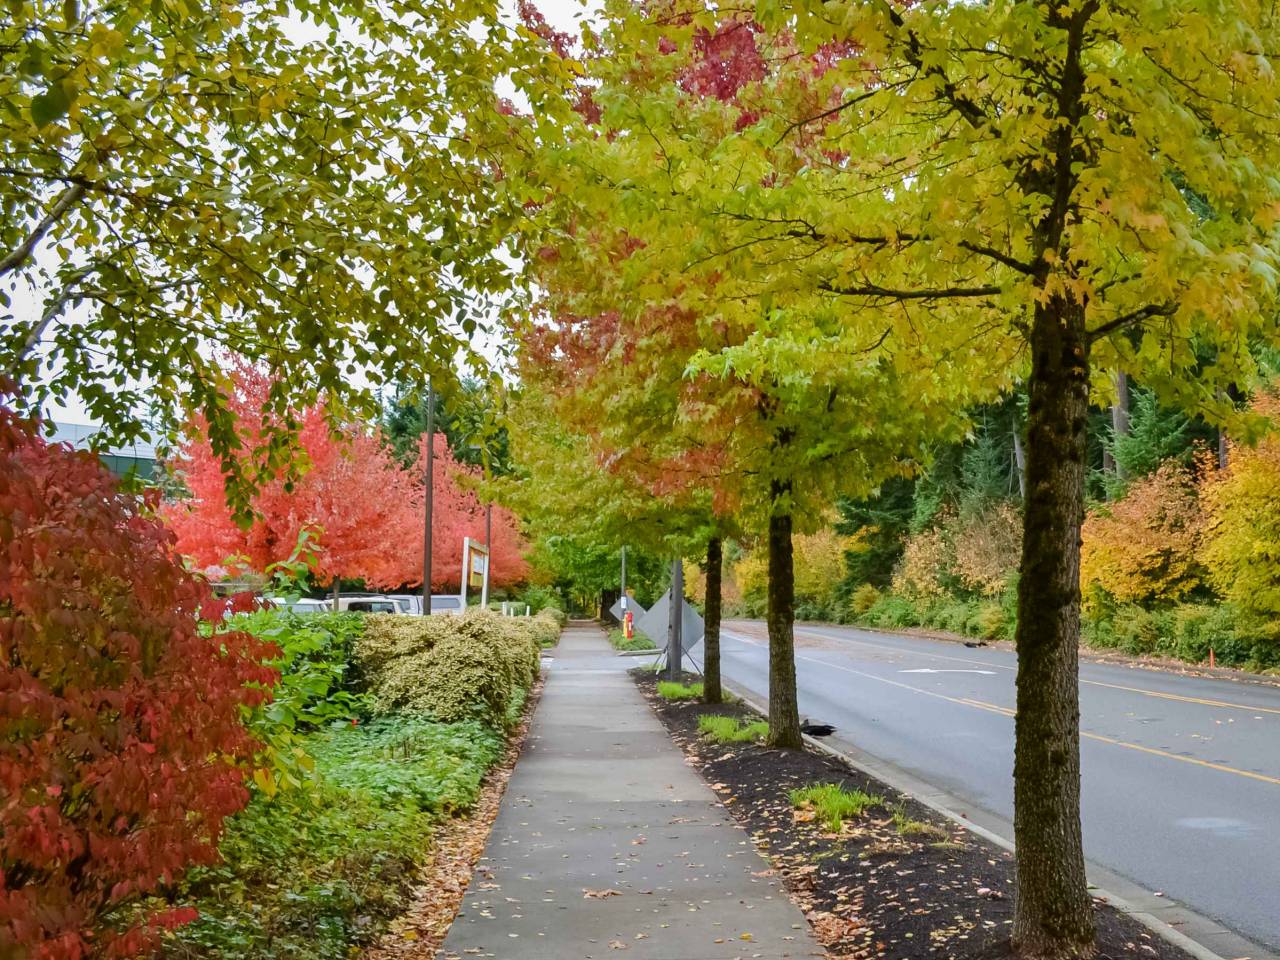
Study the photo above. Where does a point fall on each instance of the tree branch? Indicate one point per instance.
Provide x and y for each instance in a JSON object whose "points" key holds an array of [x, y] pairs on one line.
{"points": [[889, 293], [22, 252], [1134, 316], [792, 127]]}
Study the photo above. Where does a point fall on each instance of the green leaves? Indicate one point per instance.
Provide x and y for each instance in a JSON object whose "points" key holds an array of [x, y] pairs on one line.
{"points": [[51, 105], [183, 182]]}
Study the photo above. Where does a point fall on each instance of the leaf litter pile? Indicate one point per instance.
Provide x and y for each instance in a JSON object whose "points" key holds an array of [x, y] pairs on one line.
{"points": [[878, 874]]}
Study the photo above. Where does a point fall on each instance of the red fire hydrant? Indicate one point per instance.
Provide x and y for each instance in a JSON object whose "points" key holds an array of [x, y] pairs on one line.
{"points": [[628, 626]]}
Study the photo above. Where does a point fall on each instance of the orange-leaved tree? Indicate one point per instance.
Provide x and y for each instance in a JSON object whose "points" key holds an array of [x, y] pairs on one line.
{"points": [[1144, 546], [364, 507]]}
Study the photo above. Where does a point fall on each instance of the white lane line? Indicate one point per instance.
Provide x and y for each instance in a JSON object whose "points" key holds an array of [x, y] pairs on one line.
{"points": [[989, 673]]}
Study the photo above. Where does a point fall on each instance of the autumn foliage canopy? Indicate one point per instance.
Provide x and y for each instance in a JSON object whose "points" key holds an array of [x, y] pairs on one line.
{"points": [[121, 743], [364, 507]]}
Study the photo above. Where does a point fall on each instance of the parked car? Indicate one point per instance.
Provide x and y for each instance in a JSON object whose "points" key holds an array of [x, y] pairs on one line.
{"points": [[447, 603], [303, 605], [408, 602], [368, 604]]}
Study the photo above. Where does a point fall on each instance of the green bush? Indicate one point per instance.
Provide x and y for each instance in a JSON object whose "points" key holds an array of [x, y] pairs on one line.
{"points": [[452, 668], [893, 611], [990, 622], [556, 614], [541, 598], [638, 640], [863, 599], [315, 873]]}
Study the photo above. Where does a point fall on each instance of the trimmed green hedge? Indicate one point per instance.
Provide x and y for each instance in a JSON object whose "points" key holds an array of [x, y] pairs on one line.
{"points": [[452, 668]]}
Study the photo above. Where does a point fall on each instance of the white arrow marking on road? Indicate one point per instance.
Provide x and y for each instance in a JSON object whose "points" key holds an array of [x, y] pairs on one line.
{"points": [[990, 673]]}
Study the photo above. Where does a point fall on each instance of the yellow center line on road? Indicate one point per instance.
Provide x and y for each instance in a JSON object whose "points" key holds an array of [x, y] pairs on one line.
{"points": [[1006, 712], [1183, 699], [1204, 702]]}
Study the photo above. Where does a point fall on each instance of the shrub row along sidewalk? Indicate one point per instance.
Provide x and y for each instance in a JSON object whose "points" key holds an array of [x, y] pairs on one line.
{"points": [[381, 728], [607, 842]]}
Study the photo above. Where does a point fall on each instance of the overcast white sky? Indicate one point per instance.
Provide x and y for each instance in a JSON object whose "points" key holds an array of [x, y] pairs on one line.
{"points": [[564, 15]]}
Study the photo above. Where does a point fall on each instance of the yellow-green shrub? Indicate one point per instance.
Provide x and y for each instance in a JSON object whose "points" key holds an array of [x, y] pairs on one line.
{"points": [[986, 547], [863, 599], [1242, 535], [452, 668]]}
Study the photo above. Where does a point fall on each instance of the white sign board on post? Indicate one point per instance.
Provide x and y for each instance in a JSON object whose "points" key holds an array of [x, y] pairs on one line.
{"points": [[475, 570]]}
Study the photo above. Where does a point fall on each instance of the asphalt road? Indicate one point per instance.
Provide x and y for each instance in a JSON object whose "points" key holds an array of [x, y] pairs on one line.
{"points": [[1181, 775]]}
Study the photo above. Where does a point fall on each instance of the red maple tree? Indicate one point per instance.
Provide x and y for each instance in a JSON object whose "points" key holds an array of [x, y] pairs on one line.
{"points": [[364, 507], [121, 745]]}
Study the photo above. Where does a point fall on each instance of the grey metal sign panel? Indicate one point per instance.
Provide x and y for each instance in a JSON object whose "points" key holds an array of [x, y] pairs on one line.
{"points": [[657, 620], [637, 611]]}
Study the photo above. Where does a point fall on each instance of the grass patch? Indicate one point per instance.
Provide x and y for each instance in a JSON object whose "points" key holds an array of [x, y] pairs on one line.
{"points": [[832, 804], [670, 690], [638, 641], [720, 729], [917, 829]]}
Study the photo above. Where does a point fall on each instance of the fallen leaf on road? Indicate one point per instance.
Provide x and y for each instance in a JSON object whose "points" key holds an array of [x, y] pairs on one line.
{"points": [[617, 945], [600, 894]]}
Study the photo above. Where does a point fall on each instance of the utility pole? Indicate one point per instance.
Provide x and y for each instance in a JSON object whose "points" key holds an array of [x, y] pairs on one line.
{"points": [[622, 594], [430, 490], [675, 626]]}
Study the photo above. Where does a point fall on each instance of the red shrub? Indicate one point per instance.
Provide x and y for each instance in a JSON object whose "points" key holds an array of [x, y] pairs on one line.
{"points": [[121, 746]]}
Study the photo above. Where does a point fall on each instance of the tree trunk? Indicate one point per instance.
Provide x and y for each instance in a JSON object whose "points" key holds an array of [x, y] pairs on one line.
{"points": [[784, 712], [337, 591], [1119, 423], [711, 692], [1053, 914]]}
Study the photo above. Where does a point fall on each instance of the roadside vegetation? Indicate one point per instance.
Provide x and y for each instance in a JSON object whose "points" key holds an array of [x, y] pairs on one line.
{"points": [[414, 712], [265, 784], [675, 690], [1177, 520], [637, 641]]}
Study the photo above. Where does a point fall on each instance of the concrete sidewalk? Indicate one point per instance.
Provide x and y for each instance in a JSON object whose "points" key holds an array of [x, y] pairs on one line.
{"points": [[608, 845]]}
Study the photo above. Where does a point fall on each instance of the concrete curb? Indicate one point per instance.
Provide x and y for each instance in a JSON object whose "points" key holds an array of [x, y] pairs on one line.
{"points": [[1206, 939]]}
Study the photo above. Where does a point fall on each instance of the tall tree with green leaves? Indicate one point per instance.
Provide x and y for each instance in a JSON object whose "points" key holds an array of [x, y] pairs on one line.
{"points": [[703, 376], [305, 186], [1023, 191]]}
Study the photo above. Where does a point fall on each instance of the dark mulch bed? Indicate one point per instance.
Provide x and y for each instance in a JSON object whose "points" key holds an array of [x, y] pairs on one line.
{"points": [[872, 891]]}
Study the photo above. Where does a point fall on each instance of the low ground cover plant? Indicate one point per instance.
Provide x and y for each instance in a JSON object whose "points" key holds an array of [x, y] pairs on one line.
{"points": [[721, 729], [675, 690], [832, 805], [398, 719], [314, 872], [637, 641]]}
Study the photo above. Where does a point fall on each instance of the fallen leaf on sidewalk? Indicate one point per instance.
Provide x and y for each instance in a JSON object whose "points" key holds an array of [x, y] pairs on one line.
{"points": [[600, 894], [617, 945]]}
